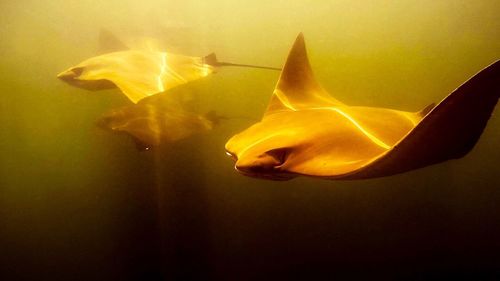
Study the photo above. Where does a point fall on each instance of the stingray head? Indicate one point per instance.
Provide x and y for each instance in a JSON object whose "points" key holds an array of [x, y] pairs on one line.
{"points": [[135, 121], [261, 157], [113, 120], [267, 148], [73, 76]]}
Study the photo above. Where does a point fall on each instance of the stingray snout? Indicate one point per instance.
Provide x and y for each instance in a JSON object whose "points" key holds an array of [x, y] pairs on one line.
{"points": [[271, 161], [70, 74]]}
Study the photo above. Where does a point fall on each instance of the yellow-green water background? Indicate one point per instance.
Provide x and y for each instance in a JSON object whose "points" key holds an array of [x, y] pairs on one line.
{"points": [[78, 203]]}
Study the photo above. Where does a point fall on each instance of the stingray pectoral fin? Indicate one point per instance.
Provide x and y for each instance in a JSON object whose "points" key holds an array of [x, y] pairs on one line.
{"points": [[449, 131], [297, 88], [135, 91]]}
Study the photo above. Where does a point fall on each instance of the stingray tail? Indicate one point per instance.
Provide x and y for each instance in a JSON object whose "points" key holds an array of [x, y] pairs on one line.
{"points": [[212, 60]]}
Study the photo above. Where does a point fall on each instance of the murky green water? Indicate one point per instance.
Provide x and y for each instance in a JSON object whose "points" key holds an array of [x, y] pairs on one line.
{"points": [[78, 203]]}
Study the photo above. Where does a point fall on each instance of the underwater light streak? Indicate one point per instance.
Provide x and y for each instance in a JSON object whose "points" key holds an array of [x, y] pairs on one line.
{"points": [[283, 98], [163, 69], [413, 122], [368, 134], [376, 140], [205, 69]]}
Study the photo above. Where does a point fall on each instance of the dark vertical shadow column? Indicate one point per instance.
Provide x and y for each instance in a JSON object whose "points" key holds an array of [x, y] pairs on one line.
{"points": [[182, 211]]}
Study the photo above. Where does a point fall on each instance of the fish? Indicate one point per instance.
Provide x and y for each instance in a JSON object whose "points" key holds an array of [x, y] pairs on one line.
{"points": [[307, 132], [158, 120], [143, 72]]}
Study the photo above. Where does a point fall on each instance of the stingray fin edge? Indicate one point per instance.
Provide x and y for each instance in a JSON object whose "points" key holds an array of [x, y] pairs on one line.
{"points": [[449, 131], [297, 87], [422, 113], [297, 74]]}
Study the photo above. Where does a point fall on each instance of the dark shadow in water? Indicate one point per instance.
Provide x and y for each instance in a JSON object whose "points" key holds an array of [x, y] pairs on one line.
{"points": [[182, 210]]}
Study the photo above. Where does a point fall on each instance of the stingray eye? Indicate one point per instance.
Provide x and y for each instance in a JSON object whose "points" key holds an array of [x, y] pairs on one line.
{"points": [[77, 71], [280, 154]]}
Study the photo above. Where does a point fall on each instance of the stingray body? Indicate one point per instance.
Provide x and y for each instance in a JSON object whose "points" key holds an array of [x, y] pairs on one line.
{"points": [[140, 73], [305, 131], [137, 73], [157, 120]]}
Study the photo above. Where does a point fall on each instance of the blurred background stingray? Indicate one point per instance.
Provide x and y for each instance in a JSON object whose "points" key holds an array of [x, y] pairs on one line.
{"points": [[157, 120], [141, 70]]}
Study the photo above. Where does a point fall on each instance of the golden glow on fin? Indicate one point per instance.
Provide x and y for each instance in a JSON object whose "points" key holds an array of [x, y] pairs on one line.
{"points": [[163, 68], [138, 74], [355, 123]]}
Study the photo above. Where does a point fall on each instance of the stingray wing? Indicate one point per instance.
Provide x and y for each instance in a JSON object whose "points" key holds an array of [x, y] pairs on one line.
{"points": [[135, 73], [340, 138], [297, 88], [448, 131]]}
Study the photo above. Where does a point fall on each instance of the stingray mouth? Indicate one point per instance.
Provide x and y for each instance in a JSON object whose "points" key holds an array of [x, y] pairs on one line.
{"points": [[266, 166], [70, 74]]}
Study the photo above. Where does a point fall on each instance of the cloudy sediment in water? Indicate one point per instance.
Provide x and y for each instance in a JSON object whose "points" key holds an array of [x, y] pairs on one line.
{"points": [[77, 202]]}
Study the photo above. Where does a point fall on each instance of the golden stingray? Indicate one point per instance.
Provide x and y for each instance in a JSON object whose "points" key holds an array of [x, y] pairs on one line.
{"points": [[307, 132], [158, 120], [140, 73]]}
